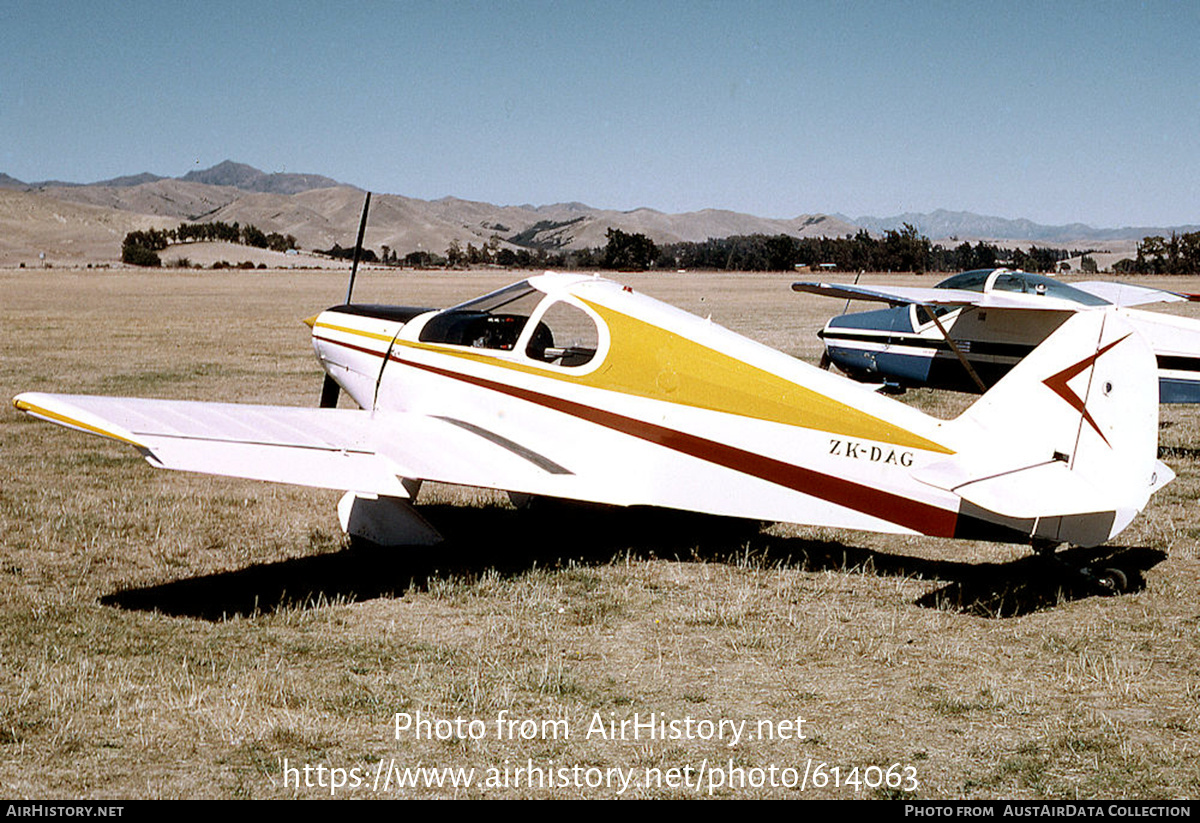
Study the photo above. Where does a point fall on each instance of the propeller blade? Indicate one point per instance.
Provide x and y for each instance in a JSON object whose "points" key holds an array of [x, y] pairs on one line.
{"points": [[362, 228], [330, 390]]}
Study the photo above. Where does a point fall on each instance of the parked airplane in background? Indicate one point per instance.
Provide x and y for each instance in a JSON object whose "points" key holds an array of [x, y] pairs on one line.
{"points": [[572, 386], [967, 332]]}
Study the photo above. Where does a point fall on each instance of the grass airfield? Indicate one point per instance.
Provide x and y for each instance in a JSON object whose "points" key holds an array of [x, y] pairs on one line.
{"points": [[167, 635]]}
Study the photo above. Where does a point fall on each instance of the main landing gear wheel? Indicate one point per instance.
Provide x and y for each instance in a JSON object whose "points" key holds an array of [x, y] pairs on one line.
{"points": [[1113, 581], [1110, 581]]}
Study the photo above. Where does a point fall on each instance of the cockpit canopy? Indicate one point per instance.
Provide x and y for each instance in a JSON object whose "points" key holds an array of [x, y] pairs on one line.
{"points": [[519, 318], [1020, 282]]}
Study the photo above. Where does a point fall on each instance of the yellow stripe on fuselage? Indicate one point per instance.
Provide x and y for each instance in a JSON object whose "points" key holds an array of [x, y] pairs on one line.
{"points": [[387, 338], [650, 361], [645, 360]]}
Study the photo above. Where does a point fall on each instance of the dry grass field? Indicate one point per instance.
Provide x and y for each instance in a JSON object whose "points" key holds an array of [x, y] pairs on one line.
{"points": [[166, 635]]}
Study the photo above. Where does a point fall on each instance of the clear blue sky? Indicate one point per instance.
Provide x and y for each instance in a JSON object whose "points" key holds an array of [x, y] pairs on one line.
{"points": [[1054, 111]]}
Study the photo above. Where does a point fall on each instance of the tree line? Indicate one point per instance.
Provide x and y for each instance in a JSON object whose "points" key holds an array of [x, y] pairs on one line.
{"points": [[1179, 254], [896, 250], [141, 248], [899, 250], [904, 249]]}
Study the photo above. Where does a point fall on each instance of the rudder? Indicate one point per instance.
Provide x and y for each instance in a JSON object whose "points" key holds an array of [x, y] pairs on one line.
{"points": [[1064, 448]]}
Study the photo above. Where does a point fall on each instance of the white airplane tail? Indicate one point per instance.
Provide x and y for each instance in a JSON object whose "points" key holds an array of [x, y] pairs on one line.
{"points": [[1064, 448]]}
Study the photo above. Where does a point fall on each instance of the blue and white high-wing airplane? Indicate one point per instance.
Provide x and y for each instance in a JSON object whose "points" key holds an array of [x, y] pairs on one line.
{"points": [[967, 332], [573, 386]]}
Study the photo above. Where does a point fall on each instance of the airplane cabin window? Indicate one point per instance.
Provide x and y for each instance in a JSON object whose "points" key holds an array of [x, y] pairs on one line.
{"points": [[565, 335], [967, 281], [493, 321], [926, 314], [1020, 282], [1025, 283]]}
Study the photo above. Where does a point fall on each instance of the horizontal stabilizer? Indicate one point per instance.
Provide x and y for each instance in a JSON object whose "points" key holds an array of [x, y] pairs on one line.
{"points": [[1023, 492]]}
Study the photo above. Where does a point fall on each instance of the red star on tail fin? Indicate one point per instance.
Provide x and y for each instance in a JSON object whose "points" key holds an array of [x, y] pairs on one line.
{"points": [[1057, 383]]}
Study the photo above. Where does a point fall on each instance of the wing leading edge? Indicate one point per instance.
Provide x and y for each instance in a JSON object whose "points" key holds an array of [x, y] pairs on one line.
{"points": [[927, 296], [343, 449]]}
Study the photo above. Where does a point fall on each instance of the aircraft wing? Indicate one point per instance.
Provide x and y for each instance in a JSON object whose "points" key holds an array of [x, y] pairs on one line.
{"points": [[344, 449], [894, 295], [1126, 294], [928, 296]]}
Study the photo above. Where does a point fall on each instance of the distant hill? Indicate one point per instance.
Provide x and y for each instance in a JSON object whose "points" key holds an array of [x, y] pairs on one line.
{"points": [[131, 180], [319, 212], [33, 223], [165, 197], [226, 173], [127, 180], [248, 178], [942, 225]]}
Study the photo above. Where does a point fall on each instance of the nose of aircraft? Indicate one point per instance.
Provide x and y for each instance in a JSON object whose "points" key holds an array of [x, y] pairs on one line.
{"points": [[351, 349], [324, 347], [352, 344]]}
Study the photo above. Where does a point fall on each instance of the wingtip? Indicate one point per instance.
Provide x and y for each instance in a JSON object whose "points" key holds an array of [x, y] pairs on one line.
{"points": [[51, 408]]}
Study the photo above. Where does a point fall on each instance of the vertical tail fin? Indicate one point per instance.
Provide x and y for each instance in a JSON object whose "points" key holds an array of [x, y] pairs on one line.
{"points": [[1064, 448]]}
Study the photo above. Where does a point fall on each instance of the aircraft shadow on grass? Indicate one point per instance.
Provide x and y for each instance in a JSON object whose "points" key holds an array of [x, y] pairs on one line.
{"points": [[552, 534], [1178, 453]]}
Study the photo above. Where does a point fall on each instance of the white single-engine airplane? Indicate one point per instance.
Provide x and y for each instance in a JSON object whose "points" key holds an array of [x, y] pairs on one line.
{"points": [[966, 332], [572, 386]]}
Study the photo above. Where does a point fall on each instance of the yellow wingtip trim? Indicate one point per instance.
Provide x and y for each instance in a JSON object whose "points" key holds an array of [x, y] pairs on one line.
{"points": [[38, 411], [311, 322]]}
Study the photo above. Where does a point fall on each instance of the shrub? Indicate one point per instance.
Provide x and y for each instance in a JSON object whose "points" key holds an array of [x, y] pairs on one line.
{"points": [[139, 256]]}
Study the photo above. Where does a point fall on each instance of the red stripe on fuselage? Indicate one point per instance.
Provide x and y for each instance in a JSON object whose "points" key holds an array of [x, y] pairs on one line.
{"points": [[903, 511], [345, 345]]}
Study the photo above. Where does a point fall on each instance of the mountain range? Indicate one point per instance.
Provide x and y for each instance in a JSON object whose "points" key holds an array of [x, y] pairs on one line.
{"points": [[948, 226], [77, 222]]}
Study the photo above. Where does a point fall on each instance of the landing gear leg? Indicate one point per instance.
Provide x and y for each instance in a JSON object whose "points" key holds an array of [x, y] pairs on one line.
{"points": [[1045, 548], [1110, 581]]}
